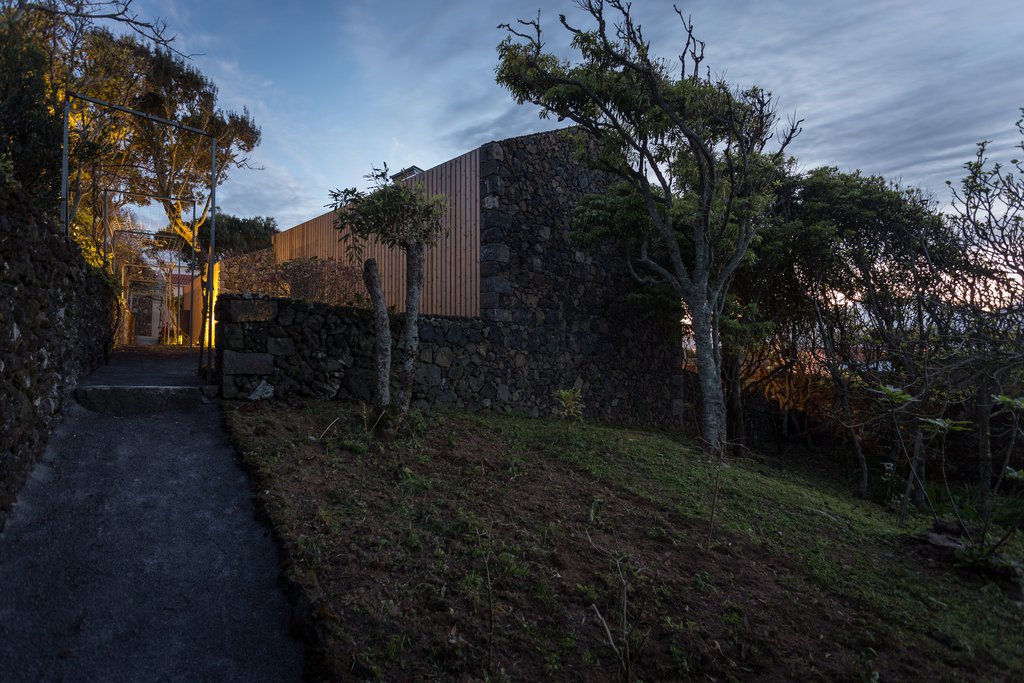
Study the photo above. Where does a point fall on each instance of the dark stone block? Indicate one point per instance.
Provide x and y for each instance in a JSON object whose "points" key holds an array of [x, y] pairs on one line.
{"points": [[489, 300], [494, 252], [236, 363], [497, 314], [495, 219], [246, 310], [280, 346], [492, 269], [428, 375], [497, 284]]}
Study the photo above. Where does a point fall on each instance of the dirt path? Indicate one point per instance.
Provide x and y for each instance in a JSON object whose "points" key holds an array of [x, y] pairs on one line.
{"points": [[132, 554]]}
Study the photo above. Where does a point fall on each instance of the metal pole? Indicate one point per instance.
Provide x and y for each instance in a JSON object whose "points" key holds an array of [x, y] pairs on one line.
{"points": [[140, 114], [213, 253], [106, 252], [64, 167], [192, 283]]}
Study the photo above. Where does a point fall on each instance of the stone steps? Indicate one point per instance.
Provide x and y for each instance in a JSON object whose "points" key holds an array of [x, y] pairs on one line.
{"points": [[141, 400]]}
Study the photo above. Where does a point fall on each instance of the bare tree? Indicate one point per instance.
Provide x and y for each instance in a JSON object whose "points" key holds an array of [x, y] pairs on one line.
{"points": [[91, 11]]}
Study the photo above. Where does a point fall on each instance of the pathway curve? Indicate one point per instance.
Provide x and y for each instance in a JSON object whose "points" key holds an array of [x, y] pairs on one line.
{"points": [[132, 553]]}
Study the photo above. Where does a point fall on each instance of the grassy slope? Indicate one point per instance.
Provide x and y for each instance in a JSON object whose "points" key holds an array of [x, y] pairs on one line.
{"points": [[491, 546]]}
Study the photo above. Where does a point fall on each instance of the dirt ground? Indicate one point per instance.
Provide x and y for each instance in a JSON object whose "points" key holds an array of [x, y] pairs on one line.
{"points": [[456, 552]]}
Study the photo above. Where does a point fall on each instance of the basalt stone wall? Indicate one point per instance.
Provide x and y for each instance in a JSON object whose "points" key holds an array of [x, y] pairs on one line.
{"points": [[56, 322], [562, 303], [553, 315]]}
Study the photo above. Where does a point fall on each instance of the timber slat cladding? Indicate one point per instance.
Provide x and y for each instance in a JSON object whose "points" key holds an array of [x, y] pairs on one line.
{"points": [[452, 267]]}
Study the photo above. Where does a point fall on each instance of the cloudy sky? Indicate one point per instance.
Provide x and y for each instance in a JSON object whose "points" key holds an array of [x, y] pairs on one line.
{"points": [[899, 88]]}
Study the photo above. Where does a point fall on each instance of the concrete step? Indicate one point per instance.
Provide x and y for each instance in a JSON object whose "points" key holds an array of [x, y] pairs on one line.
{"points": [[138, 400]]}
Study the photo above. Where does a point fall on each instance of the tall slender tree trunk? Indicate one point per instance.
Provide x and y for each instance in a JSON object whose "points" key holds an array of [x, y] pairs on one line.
{"points": [[411, 333], [851, 432], [911, 474], [983, 421], [709, 375], [735, 427], [382, 335]]}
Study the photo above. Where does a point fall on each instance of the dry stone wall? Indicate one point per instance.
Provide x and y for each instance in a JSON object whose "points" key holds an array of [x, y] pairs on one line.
{"points": [[56, 322], [554, 315]]}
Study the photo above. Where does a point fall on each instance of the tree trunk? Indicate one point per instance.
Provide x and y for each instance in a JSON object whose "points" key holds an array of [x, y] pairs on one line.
{"points": [[712, 428], [411, 333], [911, 474], [851, 431], [735, 427], [920, 495], [983, 422], [382, 335]]}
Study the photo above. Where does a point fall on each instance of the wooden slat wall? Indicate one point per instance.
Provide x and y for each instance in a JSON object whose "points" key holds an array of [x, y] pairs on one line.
{"points": [[452, 270]]}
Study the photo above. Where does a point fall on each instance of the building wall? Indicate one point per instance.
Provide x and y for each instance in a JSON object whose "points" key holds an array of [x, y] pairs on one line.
{"points": [[452, 282], [554, 314], [56, 325]]}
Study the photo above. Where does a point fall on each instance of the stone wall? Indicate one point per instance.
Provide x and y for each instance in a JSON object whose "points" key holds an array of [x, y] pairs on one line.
{"points": [[56, 322], [554, 315]]}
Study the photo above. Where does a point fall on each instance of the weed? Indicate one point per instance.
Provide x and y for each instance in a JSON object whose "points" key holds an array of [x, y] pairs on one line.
{"points": [[570, 403], [588, 592], [630, 641], [416, 422], [552, 663], [395, 647], [356, 446], [595, 510], [541, 590], [470, 585], [512, 567], [411, 483], [702, 582]]}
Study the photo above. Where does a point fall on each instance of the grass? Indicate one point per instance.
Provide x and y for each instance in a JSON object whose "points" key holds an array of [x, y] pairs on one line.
{"points": [[483, 547]]}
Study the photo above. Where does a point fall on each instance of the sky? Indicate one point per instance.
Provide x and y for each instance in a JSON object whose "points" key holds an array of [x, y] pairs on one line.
{"points": [[899, 88]]}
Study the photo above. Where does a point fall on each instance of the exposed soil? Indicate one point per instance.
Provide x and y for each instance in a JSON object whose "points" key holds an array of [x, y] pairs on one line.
{"points": [[453, 554]]}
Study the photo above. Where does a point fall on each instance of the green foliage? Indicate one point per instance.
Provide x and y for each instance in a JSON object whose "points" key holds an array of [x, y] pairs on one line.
{"points": [[692, 149], [237, 235], [1014, 405], [173, 89], [893, 396], [944, 425], [29, 125], [570, 403], [393, 213]]}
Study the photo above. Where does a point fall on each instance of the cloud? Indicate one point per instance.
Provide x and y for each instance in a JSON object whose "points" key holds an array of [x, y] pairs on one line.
{"points": [[893, 87], [273, 191]]}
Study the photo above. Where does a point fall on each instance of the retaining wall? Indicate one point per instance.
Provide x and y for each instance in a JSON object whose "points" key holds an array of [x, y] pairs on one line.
{"points": [[56, 322]]}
